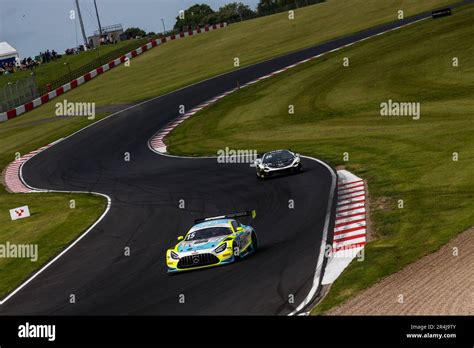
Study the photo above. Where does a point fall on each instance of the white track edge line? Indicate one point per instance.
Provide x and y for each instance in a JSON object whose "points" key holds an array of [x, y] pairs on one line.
{"points": [[109, 203], [316, 279], [70, 246], [319, 265]]}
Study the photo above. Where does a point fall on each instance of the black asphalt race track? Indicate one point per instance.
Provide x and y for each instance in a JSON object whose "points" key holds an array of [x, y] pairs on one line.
{"points": [[145, 216]]}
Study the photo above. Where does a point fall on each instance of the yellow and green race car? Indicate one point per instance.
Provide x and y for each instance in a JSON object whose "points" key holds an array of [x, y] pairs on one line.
{"points": [[212, 242]]}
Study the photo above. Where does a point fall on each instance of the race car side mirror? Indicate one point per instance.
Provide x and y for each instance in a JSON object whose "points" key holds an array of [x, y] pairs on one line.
{"points": [[180, 238], [240, 229]]}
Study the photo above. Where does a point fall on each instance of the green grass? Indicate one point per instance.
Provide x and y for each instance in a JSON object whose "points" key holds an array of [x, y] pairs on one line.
{"points": [[182, 62], [338, 110], [161, 70], [52, 226]]}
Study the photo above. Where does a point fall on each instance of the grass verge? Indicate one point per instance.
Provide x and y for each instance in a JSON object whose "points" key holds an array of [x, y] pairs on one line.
{"points": [[182, 62], [53, 224], [337, 111]]}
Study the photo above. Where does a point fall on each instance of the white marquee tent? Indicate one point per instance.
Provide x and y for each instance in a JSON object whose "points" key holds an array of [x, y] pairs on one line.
{"points": [[8, 53]]}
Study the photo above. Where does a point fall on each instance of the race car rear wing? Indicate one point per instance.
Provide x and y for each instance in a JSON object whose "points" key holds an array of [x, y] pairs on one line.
{"points": [[252, 213]]}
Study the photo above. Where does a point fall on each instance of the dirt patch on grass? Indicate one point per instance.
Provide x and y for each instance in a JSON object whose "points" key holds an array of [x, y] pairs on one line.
{"points": [[2, 179], [382, 203], [441, 283], [375, 204]]}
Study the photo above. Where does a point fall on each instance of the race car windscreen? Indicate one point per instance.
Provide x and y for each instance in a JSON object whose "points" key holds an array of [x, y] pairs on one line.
{"points": [[209, 232], [277, 156]]}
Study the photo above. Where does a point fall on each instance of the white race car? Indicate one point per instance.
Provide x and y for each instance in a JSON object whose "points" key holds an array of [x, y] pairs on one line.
{"points": [[277, 162]]}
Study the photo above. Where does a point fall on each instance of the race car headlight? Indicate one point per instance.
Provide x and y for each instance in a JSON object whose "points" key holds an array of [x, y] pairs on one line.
{"points": [[174, 255], [220, 248], [297, 160]]}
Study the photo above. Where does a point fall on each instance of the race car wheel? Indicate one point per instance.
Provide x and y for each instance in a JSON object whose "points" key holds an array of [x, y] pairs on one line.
{"points": [[236, 251], [254, 241]]}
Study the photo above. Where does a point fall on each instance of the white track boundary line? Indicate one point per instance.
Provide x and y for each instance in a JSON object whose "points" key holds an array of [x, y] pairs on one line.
{"points": [[346, 247], [77, 240], [109, 200], [319, 265], [317, 273], [174, 123]]}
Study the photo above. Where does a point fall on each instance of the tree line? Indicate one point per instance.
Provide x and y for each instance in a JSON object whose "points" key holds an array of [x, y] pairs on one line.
{"points": [[199, 15]]}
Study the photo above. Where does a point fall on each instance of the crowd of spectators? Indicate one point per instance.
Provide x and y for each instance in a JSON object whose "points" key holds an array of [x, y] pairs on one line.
{"points": [[70, 51], [28, 63], [7, 68], [48, 56], [76, 50], [12, 67]]}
